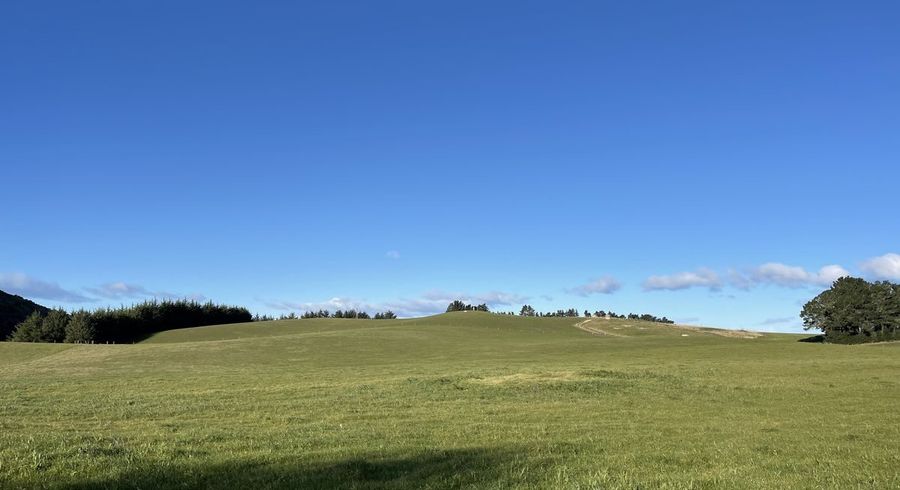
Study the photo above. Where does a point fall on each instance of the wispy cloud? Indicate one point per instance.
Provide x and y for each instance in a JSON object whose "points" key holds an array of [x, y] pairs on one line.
{"points": [[603, 285], [688, 320], [684, 280], [886, 267], [436, 301], [771, 273], [429, 303], [122, 290], [392, 254], [118, 290], [491, 298], [788, 320], [30, 287], [794, 276], [739, 280], [332, 304]]}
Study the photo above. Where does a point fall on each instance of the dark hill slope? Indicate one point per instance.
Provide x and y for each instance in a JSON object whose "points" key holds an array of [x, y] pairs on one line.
{"points": [[14, 309]]}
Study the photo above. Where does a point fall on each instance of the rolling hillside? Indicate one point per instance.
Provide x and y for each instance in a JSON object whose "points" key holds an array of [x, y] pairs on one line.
{"points": [[464, 400]]}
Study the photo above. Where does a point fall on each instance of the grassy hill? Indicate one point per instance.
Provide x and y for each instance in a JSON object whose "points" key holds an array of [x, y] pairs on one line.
{"points": [[14, 309], [467, 400]]}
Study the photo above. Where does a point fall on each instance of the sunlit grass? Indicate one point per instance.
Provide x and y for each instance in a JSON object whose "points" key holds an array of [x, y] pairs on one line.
{"points": [[458, 400]]}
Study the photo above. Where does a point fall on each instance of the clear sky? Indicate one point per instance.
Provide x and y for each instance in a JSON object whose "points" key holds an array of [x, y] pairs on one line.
{"points": [[700, 160]]}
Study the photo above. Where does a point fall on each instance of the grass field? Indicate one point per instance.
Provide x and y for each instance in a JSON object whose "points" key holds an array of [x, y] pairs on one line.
{"points": [[455, 400]]}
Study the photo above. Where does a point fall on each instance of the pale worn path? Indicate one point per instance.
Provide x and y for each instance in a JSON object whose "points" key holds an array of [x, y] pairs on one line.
{"points": [[583, 325]]}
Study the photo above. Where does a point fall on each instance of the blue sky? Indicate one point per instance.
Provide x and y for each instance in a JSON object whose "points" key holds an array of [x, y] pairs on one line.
{"points": [[701, 160]]}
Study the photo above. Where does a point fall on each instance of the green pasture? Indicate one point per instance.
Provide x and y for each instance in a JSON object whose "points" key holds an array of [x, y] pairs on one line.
{"points": [[461, 400]]}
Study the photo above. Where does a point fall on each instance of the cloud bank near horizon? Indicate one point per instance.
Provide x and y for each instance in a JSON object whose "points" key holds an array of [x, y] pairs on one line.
{"points": [[33, 288], [121, 290], [770, 274], [603, 285], [429, 303], [885, 267], [30, 287]]}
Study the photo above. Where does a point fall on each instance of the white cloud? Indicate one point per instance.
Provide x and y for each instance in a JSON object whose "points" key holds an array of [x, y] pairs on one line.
{"points": [[495, 298], [418, 307], [29, 287], [604, 285], [122, 290], [436, 301], [392, 254], [118, 290], [684, 280], [332, 304], [780, 274], [830, 273], [739, 281], [403, 307], [885, 267], [789, 320], [774, 273], [429, 303], [794, 276]]}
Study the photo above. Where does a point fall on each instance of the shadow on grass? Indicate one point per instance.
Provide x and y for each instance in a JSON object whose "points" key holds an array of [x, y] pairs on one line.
{"points": [[815, 339], [437, 469]]}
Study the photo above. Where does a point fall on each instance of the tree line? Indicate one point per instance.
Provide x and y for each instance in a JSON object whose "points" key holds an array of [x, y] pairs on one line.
{"points": [[854, 310], [459, 305], [124, 324], [528, 310], [351, 313], [127, 324]]}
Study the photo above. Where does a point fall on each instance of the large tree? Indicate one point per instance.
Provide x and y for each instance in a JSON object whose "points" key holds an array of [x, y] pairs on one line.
{"points": [[854, 310]]}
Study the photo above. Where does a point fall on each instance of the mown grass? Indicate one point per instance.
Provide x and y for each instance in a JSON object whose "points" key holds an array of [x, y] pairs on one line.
{"points": [[463, 400]]}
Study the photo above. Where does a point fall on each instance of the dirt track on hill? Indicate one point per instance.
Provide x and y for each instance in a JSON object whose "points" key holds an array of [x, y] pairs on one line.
{"points": [[735, 334], [739, 334], [583, 325]]}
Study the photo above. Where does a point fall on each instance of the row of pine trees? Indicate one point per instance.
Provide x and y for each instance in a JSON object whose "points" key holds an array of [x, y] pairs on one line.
{"points": [[351, 313], [528, 310], [125, 324]]}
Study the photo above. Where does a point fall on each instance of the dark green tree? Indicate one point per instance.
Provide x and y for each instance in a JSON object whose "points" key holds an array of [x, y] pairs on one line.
{"points": [[457, 305], [854, 310], [53, 328], [80, 329], [30, 329]]}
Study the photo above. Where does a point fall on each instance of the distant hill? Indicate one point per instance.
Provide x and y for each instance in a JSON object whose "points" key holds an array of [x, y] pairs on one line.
{"points": [[14, 309]]}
